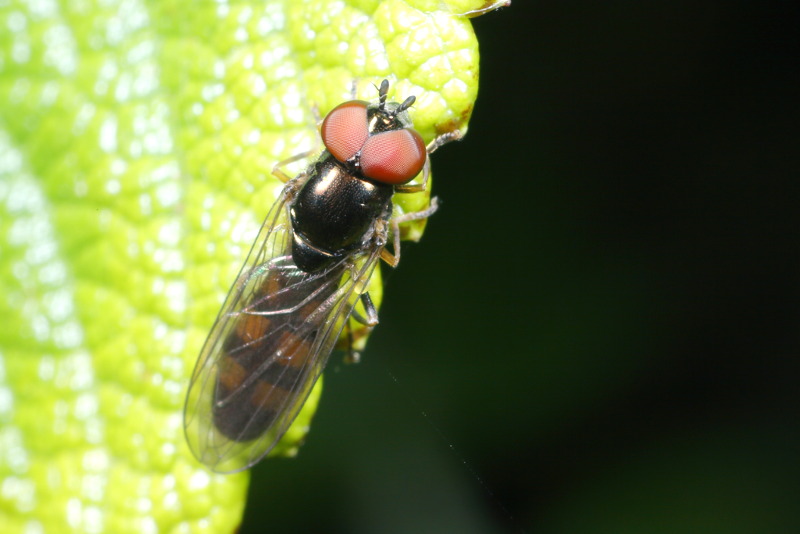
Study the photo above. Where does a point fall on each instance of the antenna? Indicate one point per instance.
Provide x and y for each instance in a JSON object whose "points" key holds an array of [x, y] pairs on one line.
{"points": [[407, 103], [382, 92]]}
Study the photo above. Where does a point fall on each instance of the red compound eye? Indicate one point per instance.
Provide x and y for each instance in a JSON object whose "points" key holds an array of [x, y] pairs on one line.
{"points": [[393, 157], [345, 130]]}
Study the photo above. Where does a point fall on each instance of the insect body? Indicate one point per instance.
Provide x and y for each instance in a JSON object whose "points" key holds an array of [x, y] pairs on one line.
{"points": [[309, 266]]}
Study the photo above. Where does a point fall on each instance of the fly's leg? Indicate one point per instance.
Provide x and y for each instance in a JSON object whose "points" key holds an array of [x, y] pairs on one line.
{"points": [[443, 139], [394, 258], [417, 188], [291, 185], [277, 168], [372, 314], [353, 356]]}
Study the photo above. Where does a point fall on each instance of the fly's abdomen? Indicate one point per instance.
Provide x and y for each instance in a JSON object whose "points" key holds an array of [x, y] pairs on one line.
{"points": [[266, 352]]}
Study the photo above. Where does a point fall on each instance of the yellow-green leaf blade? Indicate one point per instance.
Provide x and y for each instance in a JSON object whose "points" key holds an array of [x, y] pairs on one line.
{"points": [[136, 144]]}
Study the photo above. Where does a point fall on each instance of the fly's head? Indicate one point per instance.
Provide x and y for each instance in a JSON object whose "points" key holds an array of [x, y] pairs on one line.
{"points": [[377, 140]]}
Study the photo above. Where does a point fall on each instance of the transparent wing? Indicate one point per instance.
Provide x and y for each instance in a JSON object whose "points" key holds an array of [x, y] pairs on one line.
{"points": [[268, 347]]}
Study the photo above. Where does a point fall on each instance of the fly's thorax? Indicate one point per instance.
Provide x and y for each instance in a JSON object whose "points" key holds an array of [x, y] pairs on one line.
{"points": [[333, 212]]}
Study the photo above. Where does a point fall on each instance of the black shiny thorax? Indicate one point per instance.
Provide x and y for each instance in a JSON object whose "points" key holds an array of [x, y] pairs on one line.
{"points": [[333, 212]]}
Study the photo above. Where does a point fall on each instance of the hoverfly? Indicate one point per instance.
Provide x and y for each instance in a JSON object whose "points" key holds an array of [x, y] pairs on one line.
{"points": [[309, 265]]}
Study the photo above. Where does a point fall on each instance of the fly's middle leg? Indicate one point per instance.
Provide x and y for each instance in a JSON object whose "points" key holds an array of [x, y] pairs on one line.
{"points": [[393, 258]]}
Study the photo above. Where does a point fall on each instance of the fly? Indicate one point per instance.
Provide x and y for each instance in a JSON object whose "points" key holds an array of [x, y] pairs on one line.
{"points": [[309, 266]]}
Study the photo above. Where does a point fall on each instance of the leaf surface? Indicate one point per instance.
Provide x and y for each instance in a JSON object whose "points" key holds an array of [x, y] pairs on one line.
{"points": [[137, 141]]}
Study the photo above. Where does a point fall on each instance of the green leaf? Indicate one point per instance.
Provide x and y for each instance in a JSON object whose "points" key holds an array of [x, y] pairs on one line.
{"points": [[137, 141]]}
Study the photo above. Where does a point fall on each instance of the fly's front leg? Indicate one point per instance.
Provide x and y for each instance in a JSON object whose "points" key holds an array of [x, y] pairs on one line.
{"points": [[417, 188], [394, 258], [277, 168], [443, 139]]}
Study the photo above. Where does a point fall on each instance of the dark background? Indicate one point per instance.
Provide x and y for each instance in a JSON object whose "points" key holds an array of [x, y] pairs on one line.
{"points": [[599, 331]]}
